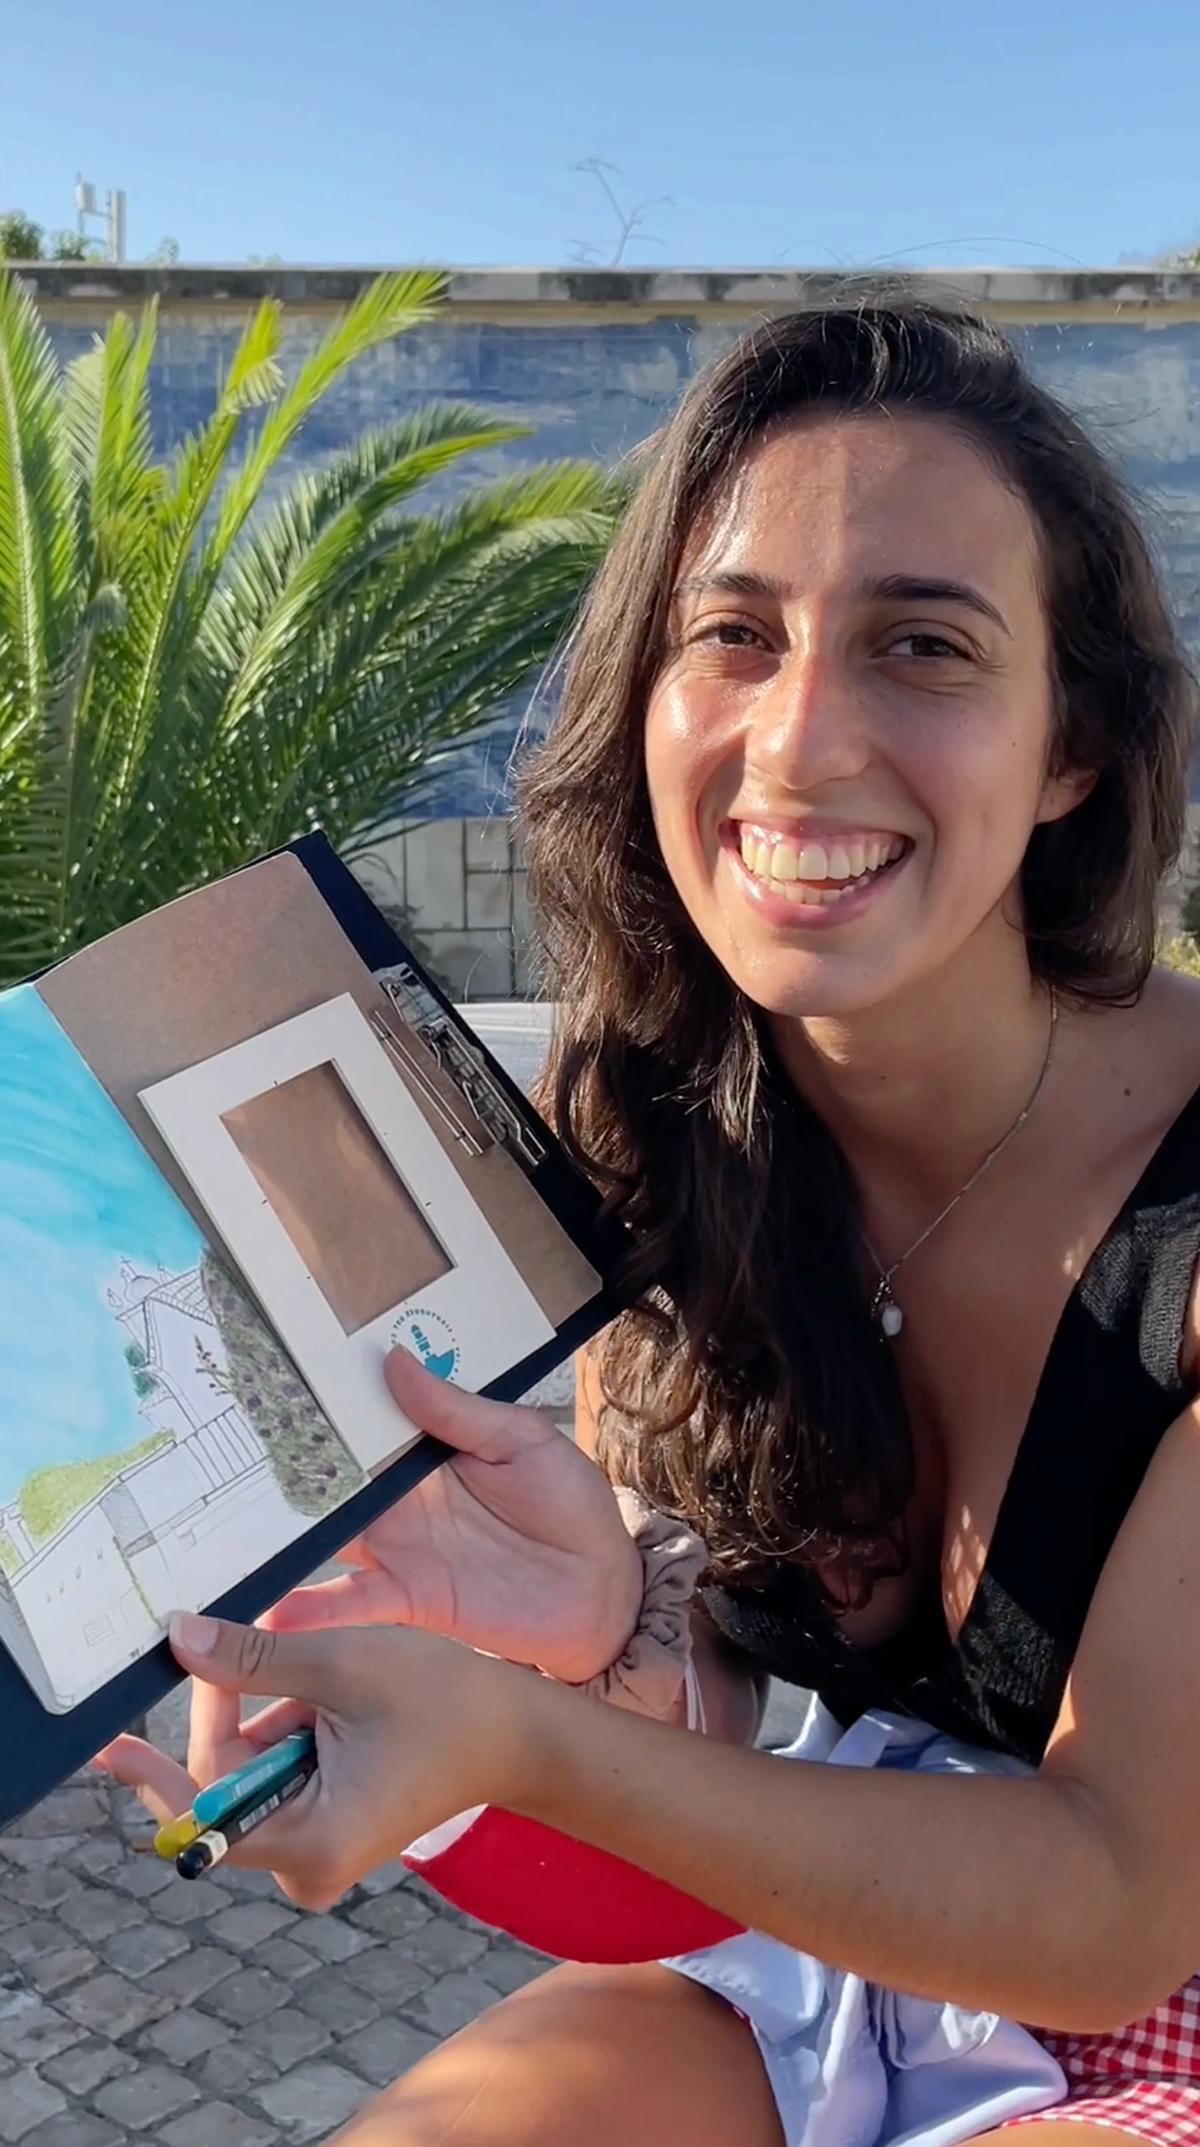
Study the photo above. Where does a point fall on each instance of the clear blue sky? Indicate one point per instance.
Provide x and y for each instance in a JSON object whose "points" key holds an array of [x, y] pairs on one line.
{"points": [[789, 131]]}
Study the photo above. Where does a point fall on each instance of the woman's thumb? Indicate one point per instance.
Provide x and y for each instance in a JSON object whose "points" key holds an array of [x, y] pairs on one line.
{"points": [[485, 1430], [245, 1658]]}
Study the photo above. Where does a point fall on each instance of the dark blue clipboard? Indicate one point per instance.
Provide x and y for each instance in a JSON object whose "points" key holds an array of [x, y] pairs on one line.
{"points": [[41, 1749]]}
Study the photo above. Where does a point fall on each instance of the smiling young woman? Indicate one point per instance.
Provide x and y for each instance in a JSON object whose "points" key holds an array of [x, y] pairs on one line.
{"points": [[847, 845]]}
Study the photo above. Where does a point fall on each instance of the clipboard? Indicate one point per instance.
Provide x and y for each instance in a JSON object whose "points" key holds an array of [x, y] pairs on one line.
{"points": [[259, 1147]]}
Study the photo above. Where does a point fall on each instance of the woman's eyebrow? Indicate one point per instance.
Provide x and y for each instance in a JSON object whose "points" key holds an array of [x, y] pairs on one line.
{"points": [[894, 588], [731, 582], [932, 589]]}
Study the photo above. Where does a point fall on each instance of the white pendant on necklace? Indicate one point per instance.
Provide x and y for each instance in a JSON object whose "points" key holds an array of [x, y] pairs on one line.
{"points": [[885, 1309]]}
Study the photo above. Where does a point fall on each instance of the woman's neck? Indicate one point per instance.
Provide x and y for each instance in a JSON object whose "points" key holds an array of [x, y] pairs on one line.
{"points": [[917, 1090]]}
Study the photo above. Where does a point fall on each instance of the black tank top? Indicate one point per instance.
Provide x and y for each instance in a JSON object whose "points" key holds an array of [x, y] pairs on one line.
{"points": [[1109, 1388]]}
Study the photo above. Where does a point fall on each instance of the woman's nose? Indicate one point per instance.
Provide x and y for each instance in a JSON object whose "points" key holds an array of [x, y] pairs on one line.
{"points": [[809, 726]]}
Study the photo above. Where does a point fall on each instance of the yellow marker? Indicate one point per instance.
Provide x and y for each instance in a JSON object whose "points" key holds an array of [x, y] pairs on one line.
{"points": [[176, 1835]]}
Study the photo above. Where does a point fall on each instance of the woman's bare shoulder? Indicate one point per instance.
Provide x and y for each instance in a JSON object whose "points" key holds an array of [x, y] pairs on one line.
{"points": [[1148, 1055], [1175, 983]]}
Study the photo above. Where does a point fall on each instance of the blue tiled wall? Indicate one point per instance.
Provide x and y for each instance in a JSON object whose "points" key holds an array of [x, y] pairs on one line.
{"points": [[595, 389]]}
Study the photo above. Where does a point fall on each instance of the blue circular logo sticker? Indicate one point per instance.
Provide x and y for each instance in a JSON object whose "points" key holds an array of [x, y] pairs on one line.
{"points": [[431, 1340]]}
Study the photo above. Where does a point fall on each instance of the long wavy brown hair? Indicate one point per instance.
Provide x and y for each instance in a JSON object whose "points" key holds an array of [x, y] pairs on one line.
{"points": [[747, 1388]]}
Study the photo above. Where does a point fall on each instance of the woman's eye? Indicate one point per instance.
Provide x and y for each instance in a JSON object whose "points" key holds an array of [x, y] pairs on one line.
{"points": [[926, 648], [729, 633]]}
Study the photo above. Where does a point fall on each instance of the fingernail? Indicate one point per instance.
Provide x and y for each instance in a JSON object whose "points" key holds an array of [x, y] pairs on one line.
{"points": [[198, 1636]]}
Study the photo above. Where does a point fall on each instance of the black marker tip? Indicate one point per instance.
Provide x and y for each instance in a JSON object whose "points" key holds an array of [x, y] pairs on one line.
{"points": [[194, 1860]]}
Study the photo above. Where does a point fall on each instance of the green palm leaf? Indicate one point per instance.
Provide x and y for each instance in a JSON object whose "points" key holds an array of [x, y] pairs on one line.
{"points": [[197, 662]]}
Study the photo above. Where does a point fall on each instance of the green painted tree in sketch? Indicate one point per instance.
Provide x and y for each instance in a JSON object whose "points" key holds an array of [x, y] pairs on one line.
{"points": [[199, 662], [145, 1383]]}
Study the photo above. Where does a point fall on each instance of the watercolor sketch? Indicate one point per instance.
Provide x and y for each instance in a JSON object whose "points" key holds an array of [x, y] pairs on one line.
{"points": [[156, 1441]]}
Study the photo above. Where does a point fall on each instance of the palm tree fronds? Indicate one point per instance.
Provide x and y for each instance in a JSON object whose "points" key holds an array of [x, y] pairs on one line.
{"points": [[390, 306], [34, 548], [197, 661]]}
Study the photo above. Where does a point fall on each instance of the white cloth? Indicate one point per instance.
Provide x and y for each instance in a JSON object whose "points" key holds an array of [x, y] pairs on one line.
{"points": [[852, 2064]]}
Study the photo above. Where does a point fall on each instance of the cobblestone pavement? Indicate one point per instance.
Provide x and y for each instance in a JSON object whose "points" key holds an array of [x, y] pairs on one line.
{"points": [[137, 2008]]}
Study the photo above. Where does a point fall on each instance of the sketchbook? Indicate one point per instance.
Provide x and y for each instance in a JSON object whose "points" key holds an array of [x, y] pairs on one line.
{"points": [[246, 1146]]}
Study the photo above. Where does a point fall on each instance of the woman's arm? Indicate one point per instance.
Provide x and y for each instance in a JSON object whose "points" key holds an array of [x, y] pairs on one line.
{"points": [[1071, 1899]]}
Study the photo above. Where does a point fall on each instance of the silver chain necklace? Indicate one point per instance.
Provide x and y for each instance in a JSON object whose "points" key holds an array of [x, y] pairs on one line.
{"points": [[883, 1305]]}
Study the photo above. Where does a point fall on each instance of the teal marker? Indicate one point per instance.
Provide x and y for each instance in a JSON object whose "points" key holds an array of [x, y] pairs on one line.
{"points": [[251, 1783]]}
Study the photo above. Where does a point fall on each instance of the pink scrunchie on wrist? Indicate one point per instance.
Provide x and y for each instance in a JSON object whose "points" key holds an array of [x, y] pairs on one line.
{"points": [[655, 1662]]}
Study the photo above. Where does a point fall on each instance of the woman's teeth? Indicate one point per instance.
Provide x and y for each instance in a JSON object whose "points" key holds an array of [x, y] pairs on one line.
{"points": [[816, 872]]}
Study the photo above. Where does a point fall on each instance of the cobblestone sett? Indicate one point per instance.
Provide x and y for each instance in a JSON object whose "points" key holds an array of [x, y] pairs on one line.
{"points": [[509, 1967], [388, 1976], [27, 1851], [338, 2005], [385, 2050], [450, 2004], [145, 2097], [42, 1886], [16, 1997], [142, 1877], [183, 2036], [70, 1810], [284, 1958], [246, 1996], [184, 1980], [95, 1912], [330, 1938], [457, 1916], [49, 1972], [191, 1905], [24, 1941], [96, 1855], [233, 2068], [287, 2038], [391, 1915], [390, 1876], [441, 1946], [313, 2099], [76, 2128], [108, 2005], [42, 2032], [25, 2101], [86, 2065], [248, 1923], [142, 1949], [219, 2124], [250, 1885]]}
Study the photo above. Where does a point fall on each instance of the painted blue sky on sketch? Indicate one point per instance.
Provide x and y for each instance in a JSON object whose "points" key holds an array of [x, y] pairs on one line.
{"points": [[77, 1194]]}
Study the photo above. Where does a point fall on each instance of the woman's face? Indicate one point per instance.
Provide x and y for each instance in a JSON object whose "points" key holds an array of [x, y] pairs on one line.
{"points": [[848, 744]]}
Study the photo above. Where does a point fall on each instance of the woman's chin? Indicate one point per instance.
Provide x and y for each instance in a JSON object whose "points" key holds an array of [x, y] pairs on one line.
{"points": [[792, 986]]}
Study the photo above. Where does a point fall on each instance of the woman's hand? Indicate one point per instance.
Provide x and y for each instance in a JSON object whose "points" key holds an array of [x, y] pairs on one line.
{"points": [[516, 1546], [410, 1730]]}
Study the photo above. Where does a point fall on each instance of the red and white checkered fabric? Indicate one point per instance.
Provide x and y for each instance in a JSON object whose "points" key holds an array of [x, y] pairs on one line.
{"points": [[1145, 2080]]}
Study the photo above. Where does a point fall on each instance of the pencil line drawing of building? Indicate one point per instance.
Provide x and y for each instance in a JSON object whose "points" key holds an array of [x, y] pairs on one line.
{"points": [[195, 1507]]}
